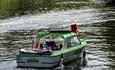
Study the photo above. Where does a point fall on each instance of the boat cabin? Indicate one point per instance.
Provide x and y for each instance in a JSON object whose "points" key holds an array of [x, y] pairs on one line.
{"points": [[55, 40]]}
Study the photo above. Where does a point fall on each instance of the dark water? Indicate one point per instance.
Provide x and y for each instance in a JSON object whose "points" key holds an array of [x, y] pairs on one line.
{"points": [[21, 20]]}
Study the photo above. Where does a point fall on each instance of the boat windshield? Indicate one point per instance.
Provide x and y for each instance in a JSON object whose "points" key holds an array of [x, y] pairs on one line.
{"points": [[52, 41]]}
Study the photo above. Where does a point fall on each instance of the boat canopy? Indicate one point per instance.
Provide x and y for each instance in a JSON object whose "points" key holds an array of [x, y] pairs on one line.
{"points": [[64, 34]]}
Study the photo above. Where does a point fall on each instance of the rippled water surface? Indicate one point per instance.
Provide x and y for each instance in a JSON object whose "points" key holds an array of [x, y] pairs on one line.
{"points": [[21, 20]]}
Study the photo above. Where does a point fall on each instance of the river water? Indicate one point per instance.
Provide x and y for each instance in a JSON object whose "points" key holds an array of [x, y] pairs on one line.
{"points": [[21, 20]]}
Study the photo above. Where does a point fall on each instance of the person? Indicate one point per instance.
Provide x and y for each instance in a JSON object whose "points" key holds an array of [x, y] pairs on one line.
{"points": [[46, 45], [50, 45], [36, 45], [60, 46]]}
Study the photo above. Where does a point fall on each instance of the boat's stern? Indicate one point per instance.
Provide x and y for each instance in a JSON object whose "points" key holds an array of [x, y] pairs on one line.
{"points": [[37, 60]]}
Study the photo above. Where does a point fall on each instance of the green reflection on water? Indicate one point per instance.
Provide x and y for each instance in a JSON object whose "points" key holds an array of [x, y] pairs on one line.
{"points": [[9, 8]]}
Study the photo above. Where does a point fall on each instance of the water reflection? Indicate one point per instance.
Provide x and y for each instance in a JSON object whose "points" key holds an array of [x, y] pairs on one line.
{"points": [[110, 34], [102, 46], [9, 8]]}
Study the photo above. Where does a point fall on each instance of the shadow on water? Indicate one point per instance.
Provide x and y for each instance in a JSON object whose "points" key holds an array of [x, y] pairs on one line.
{"points": [[110, 34], [102, 44], [110, 2]]}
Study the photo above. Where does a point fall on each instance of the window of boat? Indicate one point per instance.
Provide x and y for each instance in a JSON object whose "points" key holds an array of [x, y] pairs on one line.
{"points": [[55, 42], [73, 41]]}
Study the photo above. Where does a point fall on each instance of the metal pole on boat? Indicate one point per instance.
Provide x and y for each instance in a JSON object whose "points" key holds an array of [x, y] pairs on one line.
{"points": [[78, 36], [51, 38]]}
